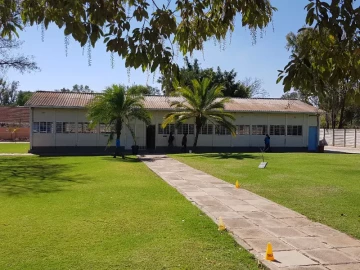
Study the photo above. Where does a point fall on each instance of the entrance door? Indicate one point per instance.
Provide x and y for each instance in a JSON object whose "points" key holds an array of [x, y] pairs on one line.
{"points": [[150, 137], [313, 137]]}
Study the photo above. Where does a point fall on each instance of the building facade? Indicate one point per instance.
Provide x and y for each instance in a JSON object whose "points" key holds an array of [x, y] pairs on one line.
{"points": [[59, 123]]}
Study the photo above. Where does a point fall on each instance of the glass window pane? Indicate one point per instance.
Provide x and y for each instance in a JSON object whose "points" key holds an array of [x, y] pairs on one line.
{"points": [[49, 127], [36, 127]]}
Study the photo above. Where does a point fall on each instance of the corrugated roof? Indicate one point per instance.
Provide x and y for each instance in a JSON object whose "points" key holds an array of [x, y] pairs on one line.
{"points": [[80, 100], [14, 114]]}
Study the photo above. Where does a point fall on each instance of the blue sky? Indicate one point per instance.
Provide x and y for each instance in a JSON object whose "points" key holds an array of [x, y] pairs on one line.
{"points": [[261, 60]]}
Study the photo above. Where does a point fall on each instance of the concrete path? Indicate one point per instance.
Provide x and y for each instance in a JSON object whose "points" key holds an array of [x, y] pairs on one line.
{"points": [[298, 243], [344, 150]]}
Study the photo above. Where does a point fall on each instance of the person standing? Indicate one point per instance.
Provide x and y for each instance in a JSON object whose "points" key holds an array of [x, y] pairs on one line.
{"points": [[184, 143], [267, 142], [171, 140]]}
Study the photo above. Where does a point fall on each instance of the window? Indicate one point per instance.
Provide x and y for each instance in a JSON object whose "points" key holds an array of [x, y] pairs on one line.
{"points": [[167, 130], [83, 127], [243, 130], [294, 130], [105, 129], [221, 130], [36, 127], [42, 127], [185, 129], [277, 130], [259, 130], [65, 127], [206, 129]]}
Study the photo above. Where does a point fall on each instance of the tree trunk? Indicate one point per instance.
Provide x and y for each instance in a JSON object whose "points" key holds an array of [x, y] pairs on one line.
{"points": [[198, 128], [341, 120], [118, 134]]}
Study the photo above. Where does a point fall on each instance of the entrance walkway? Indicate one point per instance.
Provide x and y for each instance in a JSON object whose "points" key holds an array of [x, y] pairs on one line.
{"points": [[298, 243]]}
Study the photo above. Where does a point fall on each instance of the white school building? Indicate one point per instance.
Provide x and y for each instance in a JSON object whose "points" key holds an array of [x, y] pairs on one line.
{"points": [[59, 124]]}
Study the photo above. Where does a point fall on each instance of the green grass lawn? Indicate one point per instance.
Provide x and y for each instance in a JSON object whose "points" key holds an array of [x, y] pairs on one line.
{"points": [[324, 187], [14, 147], [103, 213]]}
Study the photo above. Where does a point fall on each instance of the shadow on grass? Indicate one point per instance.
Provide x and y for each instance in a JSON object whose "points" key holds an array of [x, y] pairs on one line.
{"points": [[238, 156], [130, 159], [25, 176]]}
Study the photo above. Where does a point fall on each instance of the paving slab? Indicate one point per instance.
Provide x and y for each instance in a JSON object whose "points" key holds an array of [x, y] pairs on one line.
{"points": [[285, 232], [329, 256], [305, 242], [349, 266], [252, 233], [352, 251], [341, 241], [291, 258], [237, 223], [298, 243], [260, 244]]}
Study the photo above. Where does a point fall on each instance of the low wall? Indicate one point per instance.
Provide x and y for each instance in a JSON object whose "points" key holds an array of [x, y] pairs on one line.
{"points": [[20, 134]]}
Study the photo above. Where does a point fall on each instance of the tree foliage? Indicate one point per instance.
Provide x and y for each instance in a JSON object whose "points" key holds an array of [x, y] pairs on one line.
{"points": [[77, 88], [315, 73], [202, 103], [10, 61], [232, 87], [141, 31], [115, 109], [142, 90], [11, 96]]}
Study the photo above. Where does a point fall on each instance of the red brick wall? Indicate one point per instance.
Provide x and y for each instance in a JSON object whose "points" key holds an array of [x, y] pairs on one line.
{"points": [[21, 133]]}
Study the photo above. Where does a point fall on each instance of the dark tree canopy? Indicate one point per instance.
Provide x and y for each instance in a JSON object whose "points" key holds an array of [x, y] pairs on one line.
{"points": [[77, 88], [142, 90], [142, 32], [231, 86]]}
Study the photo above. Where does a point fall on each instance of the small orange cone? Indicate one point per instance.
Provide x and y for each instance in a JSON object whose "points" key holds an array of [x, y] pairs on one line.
{"points": [[237, 184], [269, 253], [221, 225]]}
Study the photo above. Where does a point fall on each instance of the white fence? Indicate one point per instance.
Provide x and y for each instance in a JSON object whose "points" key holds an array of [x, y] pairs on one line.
{"points": [[341, 137]]}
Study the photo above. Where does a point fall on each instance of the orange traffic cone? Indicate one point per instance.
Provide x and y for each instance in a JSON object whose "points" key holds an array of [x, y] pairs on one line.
{"points": [[221, 225], [269, 253], [237, 184]]}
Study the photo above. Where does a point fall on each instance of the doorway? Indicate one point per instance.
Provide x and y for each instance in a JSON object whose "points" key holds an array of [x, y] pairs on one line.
{"points": [[313, 139], [150, 137]]}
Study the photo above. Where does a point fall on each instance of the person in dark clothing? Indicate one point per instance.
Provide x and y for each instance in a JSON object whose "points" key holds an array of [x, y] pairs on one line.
{"points": [[171, 140], [184, 142], [267, 142]]}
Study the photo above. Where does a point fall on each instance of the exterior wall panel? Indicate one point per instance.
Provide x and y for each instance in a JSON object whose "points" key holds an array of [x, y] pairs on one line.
{"points": [[161, 140]]}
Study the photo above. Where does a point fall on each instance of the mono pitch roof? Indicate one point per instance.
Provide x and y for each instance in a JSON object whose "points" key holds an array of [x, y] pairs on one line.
{"points": [[43, 99], [14, 114]]}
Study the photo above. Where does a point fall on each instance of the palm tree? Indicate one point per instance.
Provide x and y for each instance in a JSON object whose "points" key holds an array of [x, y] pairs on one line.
{"points": [[203, 104], [114, 108]]}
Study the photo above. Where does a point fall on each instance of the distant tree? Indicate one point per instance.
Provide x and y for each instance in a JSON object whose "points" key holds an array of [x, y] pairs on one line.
{"points": [[77, 88], [291, 95], [81, 89], [201, 102], [254, 88], [10, 61], [23, 97], [232, 87], [8, 92], [142, 90]]}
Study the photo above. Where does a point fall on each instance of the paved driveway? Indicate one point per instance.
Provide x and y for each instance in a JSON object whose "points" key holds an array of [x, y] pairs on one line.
{"points": [[345, 150]]}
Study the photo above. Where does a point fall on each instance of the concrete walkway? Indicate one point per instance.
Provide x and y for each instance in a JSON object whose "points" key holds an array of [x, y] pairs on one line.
{"points": [[343, 150], [298, 243]]}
